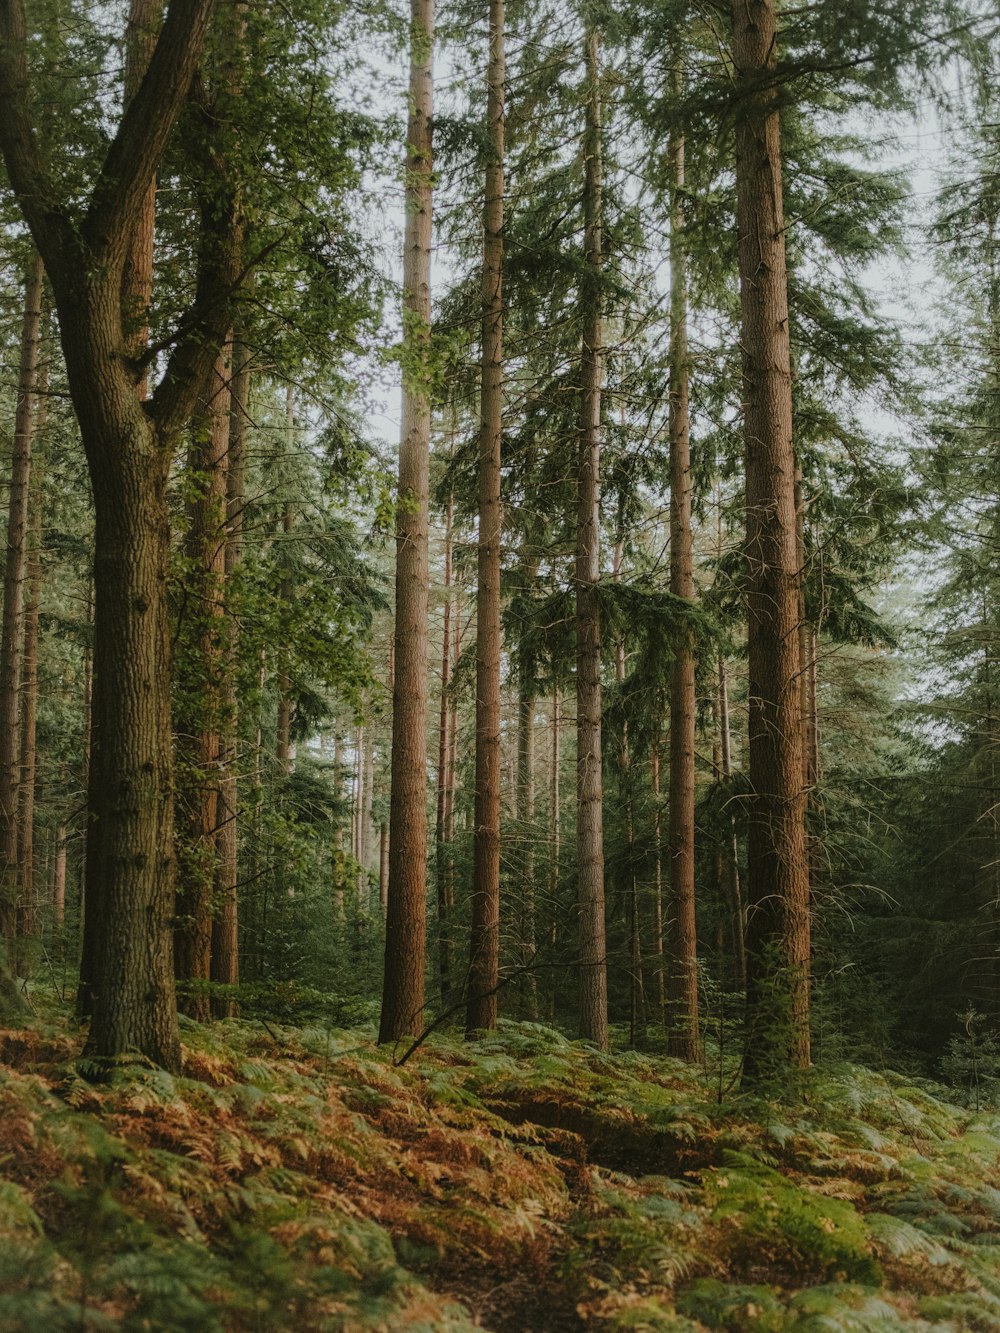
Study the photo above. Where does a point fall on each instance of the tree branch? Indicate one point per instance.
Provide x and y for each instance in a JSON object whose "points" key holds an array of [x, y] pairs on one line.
{"points": [[145, 127], [31, 183]]}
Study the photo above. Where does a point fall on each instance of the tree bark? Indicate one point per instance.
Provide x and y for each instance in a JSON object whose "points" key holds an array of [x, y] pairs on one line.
{"points": [[225, 925], [683, 1037], [589, 828], [778, 921], [403, 988], [732, 857], [11, 634], [442, 850], [128, 444], [28, 923], [484, 946]]}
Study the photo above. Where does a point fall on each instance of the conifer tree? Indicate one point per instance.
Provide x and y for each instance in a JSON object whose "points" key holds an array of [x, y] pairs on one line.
{"points": [[403, 989]]}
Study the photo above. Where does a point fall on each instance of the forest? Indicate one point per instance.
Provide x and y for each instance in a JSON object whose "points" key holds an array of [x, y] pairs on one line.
{"points": [[499, 671]]}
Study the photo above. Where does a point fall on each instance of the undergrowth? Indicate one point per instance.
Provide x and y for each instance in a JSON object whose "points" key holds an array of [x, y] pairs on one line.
{"points": [[298, 1179]]}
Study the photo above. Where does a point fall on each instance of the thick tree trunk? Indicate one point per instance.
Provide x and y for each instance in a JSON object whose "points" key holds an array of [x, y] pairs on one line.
{"points": [[442, 850], [778, 922], [403, 988], [130, 847], [200, 713], [484, 944], [589, 828], [683, 1039], [11, 634]]}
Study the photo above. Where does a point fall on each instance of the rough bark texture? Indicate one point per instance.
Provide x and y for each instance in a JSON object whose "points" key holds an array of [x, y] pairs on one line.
{"points": [[128, 975], [589, 825], [403, 986], [778, 920], [682, 967], [11, 635], [484, 943], [59, 879]]}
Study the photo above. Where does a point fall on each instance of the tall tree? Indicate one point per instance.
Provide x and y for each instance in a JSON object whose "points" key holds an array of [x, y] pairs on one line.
{"points": [[682, 967], [484, 959], [778, 888], [405, 945], [11, 635], [129, 445], [589, 826]]}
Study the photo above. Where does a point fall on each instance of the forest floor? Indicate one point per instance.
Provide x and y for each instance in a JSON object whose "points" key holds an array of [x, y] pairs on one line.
{"points": [[296, 1179]]}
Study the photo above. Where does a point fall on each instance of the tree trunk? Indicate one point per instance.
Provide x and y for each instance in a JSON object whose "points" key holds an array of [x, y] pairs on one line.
{"points": [[442, 850], [484, 944], [225, 924], [589, 828], [28, 923], [526, 834], [778, 923], [403, 988], [683, 1038], [200, 713], [59, 879], [661, 980], [732, 853], [130, 851], [11, 633]]}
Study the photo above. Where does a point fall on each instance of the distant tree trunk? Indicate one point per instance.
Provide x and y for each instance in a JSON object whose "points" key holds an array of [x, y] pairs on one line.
{"points": [[484, 944], [526, 833], [59, 879], [445, 779], [403, 988], [383, 865], [731, 857], [225, 924], [28, 923], [200, 714], [11, 634], [590, 833], [778, 922], [637, 995], [661, 980], [683, 1038]]}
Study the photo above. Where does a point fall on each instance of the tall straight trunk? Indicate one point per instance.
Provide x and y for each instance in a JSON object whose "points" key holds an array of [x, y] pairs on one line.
{"points": [[484, 944], [28, 923], [403, 985], [661, 980], [11, 632], [366, 811], [442, 850], [637, 995], [589, 825], [200, 721], [778, 922], [683, 1038], [731, 856], [225, 967], [526, 834], [383, 866]]}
